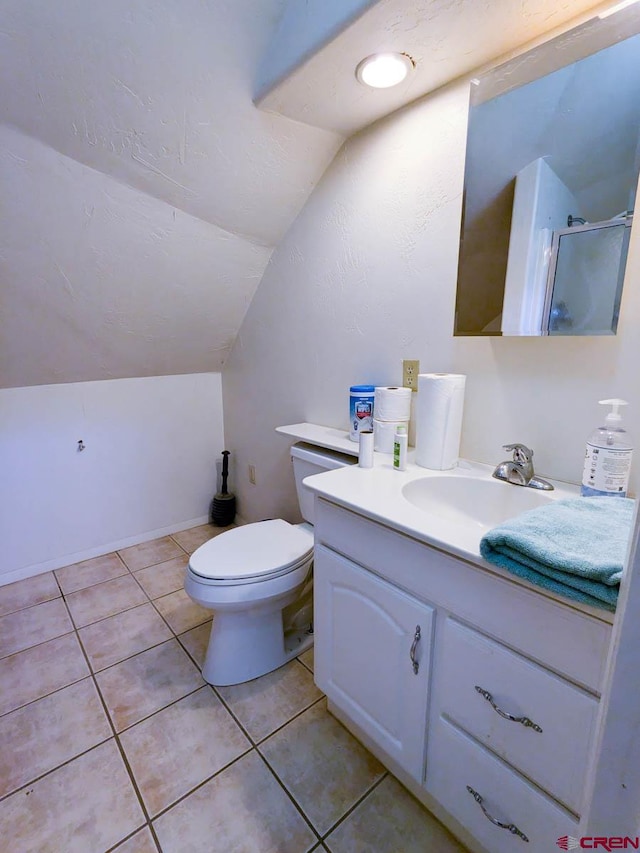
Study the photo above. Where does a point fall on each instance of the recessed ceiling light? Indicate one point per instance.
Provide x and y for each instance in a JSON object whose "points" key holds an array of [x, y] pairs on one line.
{"points": [[382, 70]]}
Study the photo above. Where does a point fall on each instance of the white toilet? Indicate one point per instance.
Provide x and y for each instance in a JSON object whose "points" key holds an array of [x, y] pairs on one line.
{"points": [[250, 574]]}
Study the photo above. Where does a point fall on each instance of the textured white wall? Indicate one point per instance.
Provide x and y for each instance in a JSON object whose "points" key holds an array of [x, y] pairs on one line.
{"points": [[149, 466], [365, 277]]}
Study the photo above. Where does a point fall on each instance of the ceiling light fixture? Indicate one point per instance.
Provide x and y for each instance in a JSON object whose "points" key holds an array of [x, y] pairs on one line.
{"points": [[617, 8], [382, 70]]}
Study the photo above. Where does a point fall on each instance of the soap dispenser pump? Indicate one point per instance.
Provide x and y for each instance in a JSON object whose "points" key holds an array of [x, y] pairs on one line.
{"points": [[607, 461]]}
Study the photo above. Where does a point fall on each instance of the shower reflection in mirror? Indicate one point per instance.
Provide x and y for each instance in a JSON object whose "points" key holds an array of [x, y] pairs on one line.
{"points": [[550, 181]]}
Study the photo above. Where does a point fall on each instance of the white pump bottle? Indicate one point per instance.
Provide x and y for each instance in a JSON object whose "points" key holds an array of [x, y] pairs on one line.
{"points": [[607, 461]]}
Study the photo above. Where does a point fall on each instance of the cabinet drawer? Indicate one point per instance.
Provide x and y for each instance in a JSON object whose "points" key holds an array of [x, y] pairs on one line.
{"points": [[556, 757], [455, 761]]}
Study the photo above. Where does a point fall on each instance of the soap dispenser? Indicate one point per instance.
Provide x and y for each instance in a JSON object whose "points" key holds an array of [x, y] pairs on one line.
{"points": [[607, 461]]}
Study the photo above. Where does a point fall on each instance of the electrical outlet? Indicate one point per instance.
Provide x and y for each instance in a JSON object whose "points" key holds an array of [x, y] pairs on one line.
{"points": [[410, 371], [252, 474]]}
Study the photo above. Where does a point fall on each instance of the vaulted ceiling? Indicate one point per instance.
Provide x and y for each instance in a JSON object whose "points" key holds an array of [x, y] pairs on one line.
{"points": [[143, 191]]}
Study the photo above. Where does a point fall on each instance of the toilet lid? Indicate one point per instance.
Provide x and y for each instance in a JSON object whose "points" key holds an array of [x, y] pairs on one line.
{"points": [[259, 549]]}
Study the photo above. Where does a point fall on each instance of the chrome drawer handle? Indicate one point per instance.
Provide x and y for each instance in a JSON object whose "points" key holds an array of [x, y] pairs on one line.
{"points": [[513, 829], [525, 721], [414, 647]]}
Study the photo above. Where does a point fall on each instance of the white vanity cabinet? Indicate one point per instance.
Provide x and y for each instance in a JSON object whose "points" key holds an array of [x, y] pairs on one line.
{"points": [[496, 725]]}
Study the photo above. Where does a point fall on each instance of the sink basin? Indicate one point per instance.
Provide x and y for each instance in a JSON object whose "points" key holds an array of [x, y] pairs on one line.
{"points": [[460, 499]]}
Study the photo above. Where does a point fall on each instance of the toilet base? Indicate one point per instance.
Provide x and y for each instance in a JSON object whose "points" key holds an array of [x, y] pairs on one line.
{"points": [[243, 646]]}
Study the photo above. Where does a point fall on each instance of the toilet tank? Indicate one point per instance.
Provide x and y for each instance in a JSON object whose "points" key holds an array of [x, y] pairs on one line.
{"points": [[307, 460]]}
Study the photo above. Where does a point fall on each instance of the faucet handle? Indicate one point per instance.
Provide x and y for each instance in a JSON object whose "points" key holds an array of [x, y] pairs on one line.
{"points": [[521, 453]]}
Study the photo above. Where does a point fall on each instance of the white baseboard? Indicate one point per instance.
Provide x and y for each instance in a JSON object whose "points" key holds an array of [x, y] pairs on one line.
{"points": [[79, 556]]}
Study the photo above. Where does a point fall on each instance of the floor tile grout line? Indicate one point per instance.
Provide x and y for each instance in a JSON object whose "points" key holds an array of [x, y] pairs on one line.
{"points": [[120, 746], [140, 568], [50, 693], [76, 627], [159, 710], [53, 769], [116, 738], [131, 835], [93, 672], [231, 713], [119, 612], [108, 554], [226, 705], [118, 556], [151, 602], [171, 536], [41, 643], [292, 799], [124, 574], [368, 791], [295, 717], [102, 618], [149, 819], [28, 606], [135, 654], [127, 610], [305, 665], [352, 808], [97, 583], [163, 617], [201, 784]]}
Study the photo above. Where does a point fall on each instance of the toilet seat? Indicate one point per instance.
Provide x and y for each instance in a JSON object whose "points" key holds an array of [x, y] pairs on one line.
{"points": [[252, 553]]}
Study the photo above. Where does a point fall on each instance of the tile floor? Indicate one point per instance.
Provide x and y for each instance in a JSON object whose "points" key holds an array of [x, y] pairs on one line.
{"points": [[111, 740]]}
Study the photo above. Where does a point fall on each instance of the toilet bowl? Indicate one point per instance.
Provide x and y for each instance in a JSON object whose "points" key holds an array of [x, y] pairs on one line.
{"points": [[252, 576]]}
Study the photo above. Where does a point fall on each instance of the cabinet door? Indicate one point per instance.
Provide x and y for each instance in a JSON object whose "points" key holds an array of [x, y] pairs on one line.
{"points": [[372, 655]]}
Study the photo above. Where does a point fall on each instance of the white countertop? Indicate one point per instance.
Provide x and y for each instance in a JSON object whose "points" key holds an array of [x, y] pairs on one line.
{"points": [[377, 493]]}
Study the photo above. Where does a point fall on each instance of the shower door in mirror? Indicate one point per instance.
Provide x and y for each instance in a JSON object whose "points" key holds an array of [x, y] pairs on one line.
{"points": [[586, 272]]}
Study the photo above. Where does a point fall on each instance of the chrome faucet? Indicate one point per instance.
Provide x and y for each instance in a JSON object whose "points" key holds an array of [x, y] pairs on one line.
{"points": [[519, 470]]}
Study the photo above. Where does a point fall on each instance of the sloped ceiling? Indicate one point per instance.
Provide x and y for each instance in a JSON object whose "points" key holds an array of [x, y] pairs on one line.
{"points": [[445, 38], [142, 191]]}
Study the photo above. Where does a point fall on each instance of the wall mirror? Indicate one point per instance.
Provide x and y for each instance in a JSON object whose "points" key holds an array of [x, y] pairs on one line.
{"points": [[550, 180]]}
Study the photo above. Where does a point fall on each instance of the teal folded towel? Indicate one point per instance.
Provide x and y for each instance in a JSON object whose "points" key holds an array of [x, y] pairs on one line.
{"points": [[573, 547]]}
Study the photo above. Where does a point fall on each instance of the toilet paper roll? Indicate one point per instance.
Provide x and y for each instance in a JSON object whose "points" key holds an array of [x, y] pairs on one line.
{"points": [[384, 432], [365, 449], [438, 419], [392, 404]]}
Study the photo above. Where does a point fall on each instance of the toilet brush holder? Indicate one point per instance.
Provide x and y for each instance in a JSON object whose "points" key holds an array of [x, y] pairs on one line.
{"points": [[222, 511]]}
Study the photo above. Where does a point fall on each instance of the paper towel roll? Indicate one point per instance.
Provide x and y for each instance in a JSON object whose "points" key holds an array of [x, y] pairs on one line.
{"points": [[392, 404], [438, 419], [383, 432]]}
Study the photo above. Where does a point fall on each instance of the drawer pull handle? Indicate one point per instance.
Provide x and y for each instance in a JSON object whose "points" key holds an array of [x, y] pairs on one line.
{"points": [[525, 721], [513, 829], [414, 648]]}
